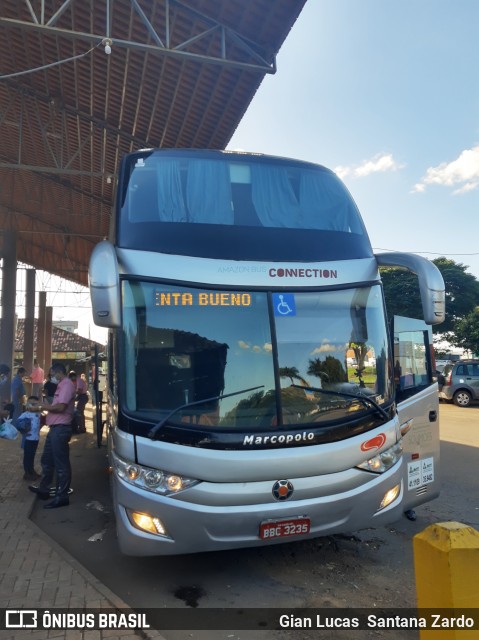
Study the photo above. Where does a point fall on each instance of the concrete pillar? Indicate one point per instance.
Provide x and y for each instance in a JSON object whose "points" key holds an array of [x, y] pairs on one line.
{"points": [[48, 337], [42, 303], [9, 292], [28, 333], [446, 563]]}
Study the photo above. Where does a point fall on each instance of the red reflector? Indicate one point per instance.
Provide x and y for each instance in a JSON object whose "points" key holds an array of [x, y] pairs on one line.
{"points": [[415, 456]]}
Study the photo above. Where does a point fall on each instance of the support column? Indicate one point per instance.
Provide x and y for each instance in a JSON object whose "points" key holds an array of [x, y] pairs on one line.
{"points": [[48, 338], [28, 334], [42, 304], [9, 291]]}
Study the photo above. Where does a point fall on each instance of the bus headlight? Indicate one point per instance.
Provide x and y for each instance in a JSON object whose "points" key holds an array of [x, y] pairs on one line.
{"points": [[132, 471], [175, 483], [384, 460], [153, 477], [154, 480]]}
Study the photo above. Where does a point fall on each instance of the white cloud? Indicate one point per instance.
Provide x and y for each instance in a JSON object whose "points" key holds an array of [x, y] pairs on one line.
{"points": [[469, 186], [327, 347], [342, 172], [266, 348], [377, 164], [419, 188], [462, 173]]}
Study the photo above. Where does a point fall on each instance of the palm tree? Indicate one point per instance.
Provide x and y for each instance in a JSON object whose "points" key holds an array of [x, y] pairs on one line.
{"points": [[329, 370], [360, 351], [293, 374]]}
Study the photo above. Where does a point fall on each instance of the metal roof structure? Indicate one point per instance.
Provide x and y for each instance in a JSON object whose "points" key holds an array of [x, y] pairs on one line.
{"points": [[84, 81]]}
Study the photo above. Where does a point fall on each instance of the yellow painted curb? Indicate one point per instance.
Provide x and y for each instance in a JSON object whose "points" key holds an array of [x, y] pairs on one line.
{"points": [[446, 565]]}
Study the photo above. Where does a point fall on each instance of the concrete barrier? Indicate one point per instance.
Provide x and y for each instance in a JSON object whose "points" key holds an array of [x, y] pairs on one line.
{"points": [[446, 564]]}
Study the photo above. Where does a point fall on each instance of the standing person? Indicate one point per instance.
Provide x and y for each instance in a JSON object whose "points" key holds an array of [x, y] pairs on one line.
{"points": [[18, 392], [28, 424], [81, 400], [94, 387], [37, 377], [56, 452], [5, 385], [49, 389]]}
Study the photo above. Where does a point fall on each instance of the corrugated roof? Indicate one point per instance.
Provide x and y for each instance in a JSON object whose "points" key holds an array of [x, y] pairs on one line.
{"points": [[180, 74]]}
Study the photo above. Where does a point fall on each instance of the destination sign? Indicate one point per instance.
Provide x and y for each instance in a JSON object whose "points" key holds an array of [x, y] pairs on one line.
{"points": [[202, 299]]}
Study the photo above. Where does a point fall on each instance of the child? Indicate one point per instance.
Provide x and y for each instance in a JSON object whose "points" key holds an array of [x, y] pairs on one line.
{"points": [[28, 423], [7, 411]]}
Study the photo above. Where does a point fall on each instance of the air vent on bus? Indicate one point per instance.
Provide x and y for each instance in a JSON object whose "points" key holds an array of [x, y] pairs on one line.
{"points": [[422, 490]]}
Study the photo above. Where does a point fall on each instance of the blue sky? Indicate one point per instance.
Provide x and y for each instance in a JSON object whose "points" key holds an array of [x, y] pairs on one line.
{"points": [[386, 94]]}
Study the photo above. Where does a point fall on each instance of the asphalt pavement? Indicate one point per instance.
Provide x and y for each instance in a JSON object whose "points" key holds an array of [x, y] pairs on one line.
{"points": [[38, 562]]}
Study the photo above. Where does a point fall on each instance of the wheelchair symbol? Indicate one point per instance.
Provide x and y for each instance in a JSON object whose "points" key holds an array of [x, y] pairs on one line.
{"points": [[283, 307]]}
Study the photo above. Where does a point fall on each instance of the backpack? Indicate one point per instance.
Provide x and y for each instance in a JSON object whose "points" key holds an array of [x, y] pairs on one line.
{"points": [[24, 425]]}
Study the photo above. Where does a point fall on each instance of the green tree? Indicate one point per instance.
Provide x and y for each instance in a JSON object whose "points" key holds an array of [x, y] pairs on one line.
{"points": [[401, 291], [329, 370], [293, 374], [466, 332], [360, 351]]}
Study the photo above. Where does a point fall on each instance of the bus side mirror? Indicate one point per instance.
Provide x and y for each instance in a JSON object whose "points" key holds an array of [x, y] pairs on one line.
{"points": [[431, 283], [104, 283]]}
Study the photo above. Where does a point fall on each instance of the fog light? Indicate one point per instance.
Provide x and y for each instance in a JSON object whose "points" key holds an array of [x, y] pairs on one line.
{"points": [[390, 496], [147, 523]]}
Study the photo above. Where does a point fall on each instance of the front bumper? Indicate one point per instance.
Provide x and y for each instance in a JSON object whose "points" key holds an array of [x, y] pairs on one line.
{"points": [[193, 527]]}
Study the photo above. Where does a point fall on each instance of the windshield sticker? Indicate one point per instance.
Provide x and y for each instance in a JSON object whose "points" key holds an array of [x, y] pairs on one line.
{"points": [[419, 473], [284, 304]]}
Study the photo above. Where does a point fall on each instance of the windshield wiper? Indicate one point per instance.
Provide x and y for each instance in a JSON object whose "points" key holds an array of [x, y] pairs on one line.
{"points": [[366, 400], [154, 430]]}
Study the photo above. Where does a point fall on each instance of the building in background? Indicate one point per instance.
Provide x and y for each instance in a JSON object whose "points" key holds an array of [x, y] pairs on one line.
{"points": [[66, 325], [69, 348]]}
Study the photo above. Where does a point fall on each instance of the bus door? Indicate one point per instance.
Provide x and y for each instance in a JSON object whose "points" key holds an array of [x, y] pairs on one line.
{"points": [[418, 409]]}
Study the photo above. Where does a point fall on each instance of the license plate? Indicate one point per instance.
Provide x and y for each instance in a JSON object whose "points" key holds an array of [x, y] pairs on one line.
{"points": [[284, 528]]}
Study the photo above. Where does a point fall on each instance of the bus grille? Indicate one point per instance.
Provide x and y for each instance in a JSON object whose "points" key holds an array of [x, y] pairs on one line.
{"points": [[422, 490]]}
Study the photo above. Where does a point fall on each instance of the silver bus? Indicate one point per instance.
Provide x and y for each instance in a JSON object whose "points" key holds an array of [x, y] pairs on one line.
{"points": [[256, 393]]}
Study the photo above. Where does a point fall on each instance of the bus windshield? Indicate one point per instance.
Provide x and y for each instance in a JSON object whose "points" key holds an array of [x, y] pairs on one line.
{"points": [[183, 345], [237, 206], [241, 190]]}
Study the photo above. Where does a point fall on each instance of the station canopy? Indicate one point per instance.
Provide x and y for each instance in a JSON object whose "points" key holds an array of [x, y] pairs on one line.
{"points": [[84, 81]]}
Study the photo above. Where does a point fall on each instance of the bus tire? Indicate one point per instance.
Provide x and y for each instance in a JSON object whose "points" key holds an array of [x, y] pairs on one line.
{"points": [[462, 398]]}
